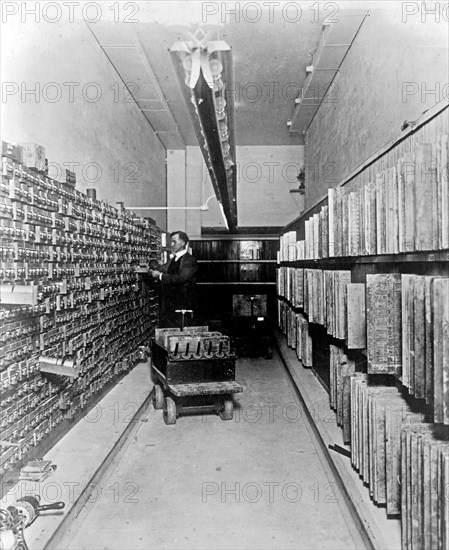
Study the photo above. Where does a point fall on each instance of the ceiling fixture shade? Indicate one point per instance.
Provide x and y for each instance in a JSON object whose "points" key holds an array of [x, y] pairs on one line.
{"points": [[205, 73]]}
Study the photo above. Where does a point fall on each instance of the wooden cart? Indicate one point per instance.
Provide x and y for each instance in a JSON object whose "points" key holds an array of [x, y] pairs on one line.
{"points": [[188, 383]]}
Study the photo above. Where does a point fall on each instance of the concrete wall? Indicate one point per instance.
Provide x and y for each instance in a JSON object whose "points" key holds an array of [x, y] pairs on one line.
{"points": [[395, 62], [176, 189], [91, 123], [265, 176]]}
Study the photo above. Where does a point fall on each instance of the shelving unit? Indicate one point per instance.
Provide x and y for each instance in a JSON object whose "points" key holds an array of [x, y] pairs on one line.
{"points": [[73, 311], [247, 265], [389, 392], [237, 261], [408, 258], [238, 283]]}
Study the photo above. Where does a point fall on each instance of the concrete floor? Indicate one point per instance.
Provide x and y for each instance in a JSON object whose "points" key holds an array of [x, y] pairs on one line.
{"points": [[254, 482]]}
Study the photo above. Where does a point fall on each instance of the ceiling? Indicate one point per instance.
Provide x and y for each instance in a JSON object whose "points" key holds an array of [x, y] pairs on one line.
{"points": [[270, 53]]}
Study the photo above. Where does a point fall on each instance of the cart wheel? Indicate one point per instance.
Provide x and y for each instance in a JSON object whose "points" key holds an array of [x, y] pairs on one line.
{"points": [[158, 397], [227, 412], [170, 411]]}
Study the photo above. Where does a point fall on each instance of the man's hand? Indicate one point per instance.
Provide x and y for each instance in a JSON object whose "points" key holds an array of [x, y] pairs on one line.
{"points": [[155, 273]]}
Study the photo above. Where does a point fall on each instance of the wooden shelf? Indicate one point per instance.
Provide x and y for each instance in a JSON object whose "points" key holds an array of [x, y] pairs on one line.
{"points": [[236, 237], [238, 283], [236, 261], [407, 257]]}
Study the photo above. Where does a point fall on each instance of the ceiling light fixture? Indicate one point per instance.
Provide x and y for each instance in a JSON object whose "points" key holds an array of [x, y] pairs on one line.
{"points": [[205, 73]]}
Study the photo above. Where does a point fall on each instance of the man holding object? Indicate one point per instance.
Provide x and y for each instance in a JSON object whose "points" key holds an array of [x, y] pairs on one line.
{"points": [[177, 282]]}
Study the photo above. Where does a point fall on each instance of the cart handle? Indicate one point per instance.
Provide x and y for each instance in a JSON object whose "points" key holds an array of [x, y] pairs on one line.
{"points": [[183, 312]]}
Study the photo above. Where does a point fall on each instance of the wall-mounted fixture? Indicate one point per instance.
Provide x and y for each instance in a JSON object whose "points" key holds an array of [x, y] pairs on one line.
{"points": [[205, 73], [202, 207]]}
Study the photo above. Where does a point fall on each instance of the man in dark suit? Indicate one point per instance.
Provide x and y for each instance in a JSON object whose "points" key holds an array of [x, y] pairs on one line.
{"points": [[177, 282]]}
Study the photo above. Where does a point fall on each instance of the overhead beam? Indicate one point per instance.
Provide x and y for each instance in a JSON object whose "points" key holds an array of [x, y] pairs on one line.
{"points": [[199, 97]]}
